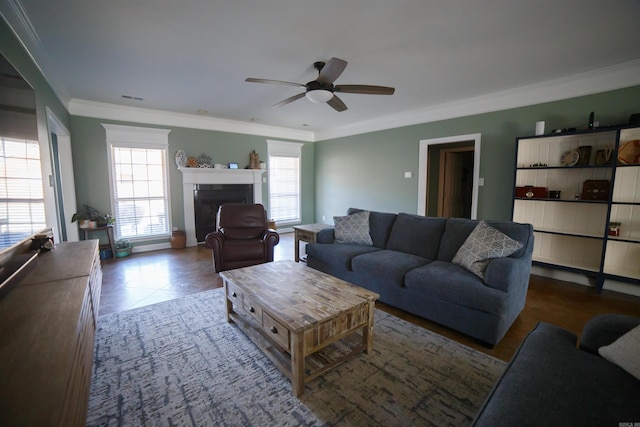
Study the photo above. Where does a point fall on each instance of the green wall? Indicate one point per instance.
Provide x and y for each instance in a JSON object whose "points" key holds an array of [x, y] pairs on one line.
{"points": [[367, 170], [88, 140]]}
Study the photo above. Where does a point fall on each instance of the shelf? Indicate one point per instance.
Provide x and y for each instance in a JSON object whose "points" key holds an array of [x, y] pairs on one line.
{"points": [[561, 233], [528, 168], [604, 202], [624, 239], [572, 235], [568, 265]]}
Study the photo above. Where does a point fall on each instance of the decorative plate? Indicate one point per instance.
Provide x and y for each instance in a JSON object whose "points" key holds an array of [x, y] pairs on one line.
{"points": [[629, 153], [569, 158], [181, 158]]}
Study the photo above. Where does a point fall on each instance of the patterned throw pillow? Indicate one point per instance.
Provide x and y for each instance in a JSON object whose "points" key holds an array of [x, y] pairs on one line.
{"points": [[353, 229], [483, 244]]}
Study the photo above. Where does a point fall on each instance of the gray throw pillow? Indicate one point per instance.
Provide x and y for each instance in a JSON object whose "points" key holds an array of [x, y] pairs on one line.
{"points": [[483, 244], [625, 352], [353, 229]]}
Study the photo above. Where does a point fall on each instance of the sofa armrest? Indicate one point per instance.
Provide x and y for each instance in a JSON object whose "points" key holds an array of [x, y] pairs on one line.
{"points": [[325, 236], [508, 274], [604, 329], [535, 378]]}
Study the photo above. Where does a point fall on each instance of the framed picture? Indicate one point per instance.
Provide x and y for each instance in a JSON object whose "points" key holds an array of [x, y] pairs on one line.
{"points": [[233, 166]]}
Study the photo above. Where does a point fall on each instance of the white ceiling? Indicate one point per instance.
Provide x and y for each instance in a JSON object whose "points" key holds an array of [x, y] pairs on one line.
{"points": [[189, 55]]}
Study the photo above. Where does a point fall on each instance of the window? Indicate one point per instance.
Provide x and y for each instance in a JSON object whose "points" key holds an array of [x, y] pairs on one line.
{"points": [[22, 210], [284, 181], [139, 191]]}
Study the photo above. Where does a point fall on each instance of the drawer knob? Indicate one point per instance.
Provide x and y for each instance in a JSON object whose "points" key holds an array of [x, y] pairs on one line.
{"points": [[234, 295], [251, 309], [274, 329]]}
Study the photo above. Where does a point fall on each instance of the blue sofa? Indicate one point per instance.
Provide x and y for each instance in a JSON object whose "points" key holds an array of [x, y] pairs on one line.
{"points": [[552, 382], [410, 266]]}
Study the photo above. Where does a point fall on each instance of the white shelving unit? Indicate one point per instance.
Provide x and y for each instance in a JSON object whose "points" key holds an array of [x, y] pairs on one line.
{"points": [[572, 233]]}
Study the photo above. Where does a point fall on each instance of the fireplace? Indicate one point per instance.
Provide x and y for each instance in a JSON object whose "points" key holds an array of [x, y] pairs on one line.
{"points": [[194, 178], [207, 198]]}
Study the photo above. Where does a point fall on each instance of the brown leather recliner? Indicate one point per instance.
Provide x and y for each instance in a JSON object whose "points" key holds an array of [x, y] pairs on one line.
{"points": [[243, 237]]}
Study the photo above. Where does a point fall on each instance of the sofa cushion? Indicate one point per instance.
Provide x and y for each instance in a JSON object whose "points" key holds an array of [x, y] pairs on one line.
{"points": [[386, 265], [417, 235], [380, 224], [455, 284], [457, 230], [625, 352], [483, 244], [338, 255], [353, 229]]}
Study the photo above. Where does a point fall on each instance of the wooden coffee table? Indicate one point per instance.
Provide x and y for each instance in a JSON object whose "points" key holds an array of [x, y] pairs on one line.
{"points": [[304, 320]]}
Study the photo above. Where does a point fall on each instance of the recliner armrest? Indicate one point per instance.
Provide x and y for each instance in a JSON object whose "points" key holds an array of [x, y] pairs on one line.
{"points": [[214, 239], [604, 329]]}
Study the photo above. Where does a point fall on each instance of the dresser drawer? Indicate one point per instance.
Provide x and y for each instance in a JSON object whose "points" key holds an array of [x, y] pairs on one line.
{"points": [[276, 330]]}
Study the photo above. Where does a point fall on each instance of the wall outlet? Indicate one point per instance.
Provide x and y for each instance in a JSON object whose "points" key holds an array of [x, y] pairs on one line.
{"points": [[408, 174], [323, 217]]}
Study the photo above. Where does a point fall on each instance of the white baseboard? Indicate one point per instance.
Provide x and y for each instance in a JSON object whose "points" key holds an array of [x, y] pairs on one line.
{"points": [[149, 248]]}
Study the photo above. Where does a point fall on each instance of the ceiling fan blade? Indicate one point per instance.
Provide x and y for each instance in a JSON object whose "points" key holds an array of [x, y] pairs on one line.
{"points": [[366, 89], [288, 100], [332, 70], [277, 82], [337, 103]]}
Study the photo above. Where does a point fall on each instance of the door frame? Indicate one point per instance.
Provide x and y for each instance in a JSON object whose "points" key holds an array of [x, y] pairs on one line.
{"points": [[424, 165], [68, 190]]}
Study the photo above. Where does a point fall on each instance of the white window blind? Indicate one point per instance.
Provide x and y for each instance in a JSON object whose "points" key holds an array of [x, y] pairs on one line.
{"points": [[284, 181], [22, 210], [139, 185]]}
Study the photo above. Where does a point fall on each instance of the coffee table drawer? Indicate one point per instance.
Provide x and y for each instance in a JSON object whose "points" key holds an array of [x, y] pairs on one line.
{"points": [[254, 310], [276, 330], [234, 294]]}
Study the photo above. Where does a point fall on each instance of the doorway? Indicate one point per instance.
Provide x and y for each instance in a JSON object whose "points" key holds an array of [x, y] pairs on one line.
{"points": [[449, 176], [455, 183]]}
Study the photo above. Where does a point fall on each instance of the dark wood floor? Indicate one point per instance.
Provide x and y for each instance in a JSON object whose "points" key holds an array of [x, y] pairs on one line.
{"points": [[151, 277]]}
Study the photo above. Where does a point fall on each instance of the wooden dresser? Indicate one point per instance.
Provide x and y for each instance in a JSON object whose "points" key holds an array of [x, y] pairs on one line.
{"points": [[47, 329]]}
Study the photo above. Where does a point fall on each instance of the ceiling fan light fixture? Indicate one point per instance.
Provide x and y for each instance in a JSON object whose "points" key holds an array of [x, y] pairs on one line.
{"points": [[319, 96]]}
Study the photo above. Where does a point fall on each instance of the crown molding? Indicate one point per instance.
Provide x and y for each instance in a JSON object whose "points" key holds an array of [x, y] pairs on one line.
{"points": [[17, 19], [610, 78], [105, 111]]}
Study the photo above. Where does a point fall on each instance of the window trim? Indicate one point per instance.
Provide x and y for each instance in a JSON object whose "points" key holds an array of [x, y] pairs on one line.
{"points": [[138, 137], [287, 149]]}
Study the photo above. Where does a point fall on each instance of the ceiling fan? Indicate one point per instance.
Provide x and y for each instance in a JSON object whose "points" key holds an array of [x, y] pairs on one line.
{"points": [[322, 89]]}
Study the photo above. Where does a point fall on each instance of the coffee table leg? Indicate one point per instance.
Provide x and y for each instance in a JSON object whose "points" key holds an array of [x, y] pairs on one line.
{"points": [[297, 364], [228, 304], [367, 336]]}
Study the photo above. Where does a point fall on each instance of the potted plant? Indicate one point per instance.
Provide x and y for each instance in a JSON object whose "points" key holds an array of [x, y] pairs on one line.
{"points": [[88, 216]]}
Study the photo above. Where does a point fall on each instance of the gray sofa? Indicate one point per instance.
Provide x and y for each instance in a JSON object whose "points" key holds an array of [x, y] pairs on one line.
{"points": [[551, 382], [409, 265]]}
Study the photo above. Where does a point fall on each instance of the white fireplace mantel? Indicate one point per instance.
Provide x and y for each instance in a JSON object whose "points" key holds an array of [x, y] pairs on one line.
{"points": [[193, 176]]}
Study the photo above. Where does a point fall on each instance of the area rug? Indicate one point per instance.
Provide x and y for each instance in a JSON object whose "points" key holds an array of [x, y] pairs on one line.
{"points": [[179, 363]]}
